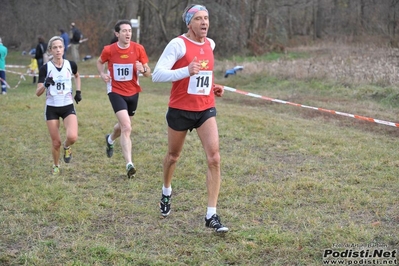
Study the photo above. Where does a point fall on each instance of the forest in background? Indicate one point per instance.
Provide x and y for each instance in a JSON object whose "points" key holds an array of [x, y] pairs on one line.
{"points": [[239, 27]]}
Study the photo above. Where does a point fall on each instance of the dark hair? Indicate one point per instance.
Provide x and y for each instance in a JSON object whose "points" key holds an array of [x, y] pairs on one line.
{"points": [[41, 38], [62, 30], [121, 22]]}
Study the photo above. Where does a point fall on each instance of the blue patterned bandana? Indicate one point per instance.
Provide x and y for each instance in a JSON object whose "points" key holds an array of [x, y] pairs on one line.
{"points": [[189, 13]]}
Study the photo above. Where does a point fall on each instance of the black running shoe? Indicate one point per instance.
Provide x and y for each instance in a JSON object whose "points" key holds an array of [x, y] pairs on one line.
{"points": [[164, 205], [110, 147], [214, 222], [131, 171]]}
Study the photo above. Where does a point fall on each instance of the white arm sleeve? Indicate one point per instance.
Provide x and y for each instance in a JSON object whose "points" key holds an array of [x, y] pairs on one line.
{"points": [[163, 72]]}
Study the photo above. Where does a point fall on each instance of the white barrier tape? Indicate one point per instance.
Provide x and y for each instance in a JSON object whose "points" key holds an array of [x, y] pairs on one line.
{"points": [[364, 118], [90, 76], [5, 82], [82, 76], [360, 117], [19, 73], [16, 66], [97, 76], [16, 86]]}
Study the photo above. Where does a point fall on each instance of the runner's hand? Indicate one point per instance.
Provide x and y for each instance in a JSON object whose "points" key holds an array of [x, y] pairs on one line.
{"points": [[48, 81], [78, 97], [218, 90]]}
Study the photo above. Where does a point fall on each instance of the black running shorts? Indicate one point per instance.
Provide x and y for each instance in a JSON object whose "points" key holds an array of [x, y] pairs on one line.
{"points": [[181, 120], [120, 102], [54, 112]]}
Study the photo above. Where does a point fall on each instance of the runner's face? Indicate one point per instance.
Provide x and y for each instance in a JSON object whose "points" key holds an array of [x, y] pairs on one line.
{"points": [[125, 34], [57, 49], [199, 24]]}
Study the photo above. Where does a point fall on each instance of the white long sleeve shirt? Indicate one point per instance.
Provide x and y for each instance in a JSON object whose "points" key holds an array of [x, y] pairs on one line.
{"points": [[174, 51]]}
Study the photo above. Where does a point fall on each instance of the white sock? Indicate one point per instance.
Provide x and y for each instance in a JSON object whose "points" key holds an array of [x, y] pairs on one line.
{"points": [[166, 191], [128, 164], [110, 141], [210, 212]]}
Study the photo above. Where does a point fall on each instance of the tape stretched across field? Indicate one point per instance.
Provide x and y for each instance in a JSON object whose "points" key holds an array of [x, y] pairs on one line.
{"points": [[364, 118], [359, 117]]}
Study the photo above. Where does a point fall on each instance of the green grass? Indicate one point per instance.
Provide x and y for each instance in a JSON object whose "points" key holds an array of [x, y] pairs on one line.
{"points": [[295, 181]]}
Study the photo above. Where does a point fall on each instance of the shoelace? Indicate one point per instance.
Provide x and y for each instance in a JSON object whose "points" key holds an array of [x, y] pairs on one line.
{"points": [[68, 152], [215, 223], [165, 203]]}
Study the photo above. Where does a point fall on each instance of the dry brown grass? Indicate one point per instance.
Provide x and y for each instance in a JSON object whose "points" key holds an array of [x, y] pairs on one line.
{"points": [[337, 62]]}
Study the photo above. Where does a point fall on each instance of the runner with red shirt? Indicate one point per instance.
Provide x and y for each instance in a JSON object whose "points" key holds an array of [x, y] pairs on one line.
{"points": [[125, 59], [187, 62]]}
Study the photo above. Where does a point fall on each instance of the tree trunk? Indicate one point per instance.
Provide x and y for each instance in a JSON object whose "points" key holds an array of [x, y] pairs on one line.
{"points": [[253, 18]]}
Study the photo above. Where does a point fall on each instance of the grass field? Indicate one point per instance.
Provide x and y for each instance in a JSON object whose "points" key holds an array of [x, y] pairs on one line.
{"points": [[296, 182]]}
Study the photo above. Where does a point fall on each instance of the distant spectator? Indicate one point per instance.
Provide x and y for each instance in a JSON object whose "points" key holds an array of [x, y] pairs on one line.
{"points": [[75, 37], [33, 68], [65, 37], [3, 55], [41, 50]]}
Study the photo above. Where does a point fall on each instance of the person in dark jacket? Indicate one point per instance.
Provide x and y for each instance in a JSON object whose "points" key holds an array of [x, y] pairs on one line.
{"points": [[41, 49], [75, 37]]}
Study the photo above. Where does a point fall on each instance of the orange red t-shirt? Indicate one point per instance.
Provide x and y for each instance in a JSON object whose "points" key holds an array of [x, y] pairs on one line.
{"points": [[122, 67]]}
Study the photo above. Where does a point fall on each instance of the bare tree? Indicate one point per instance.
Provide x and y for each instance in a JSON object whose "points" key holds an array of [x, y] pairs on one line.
{"points": [[237, 26]]}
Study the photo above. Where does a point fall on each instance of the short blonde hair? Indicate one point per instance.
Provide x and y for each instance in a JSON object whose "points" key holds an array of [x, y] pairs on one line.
{"points": [[55, 38]]}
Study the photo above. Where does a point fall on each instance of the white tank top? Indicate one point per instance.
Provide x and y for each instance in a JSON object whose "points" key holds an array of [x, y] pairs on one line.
{"points": [[59, 94]]}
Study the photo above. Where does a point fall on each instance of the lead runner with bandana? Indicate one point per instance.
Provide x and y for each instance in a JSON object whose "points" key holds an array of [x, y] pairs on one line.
{"points": [[188, 62]]}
